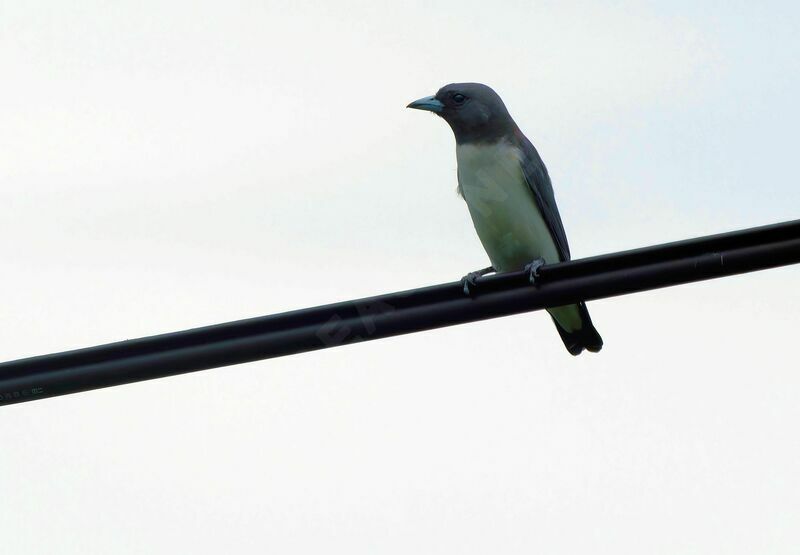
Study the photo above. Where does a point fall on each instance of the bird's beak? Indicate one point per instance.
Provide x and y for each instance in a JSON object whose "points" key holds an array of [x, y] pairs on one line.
{"points": [[428, 103]]}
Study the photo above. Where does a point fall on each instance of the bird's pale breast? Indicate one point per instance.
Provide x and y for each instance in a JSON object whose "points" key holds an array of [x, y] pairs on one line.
{"points": [[502, 207], [504, 211]]}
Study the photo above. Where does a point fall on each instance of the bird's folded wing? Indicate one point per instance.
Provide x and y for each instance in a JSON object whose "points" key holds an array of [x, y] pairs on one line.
{"points": [[538, 180]]}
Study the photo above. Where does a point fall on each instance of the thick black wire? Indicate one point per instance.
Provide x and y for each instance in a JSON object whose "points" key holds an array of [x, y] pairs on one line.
{"points": [[398, 313]]}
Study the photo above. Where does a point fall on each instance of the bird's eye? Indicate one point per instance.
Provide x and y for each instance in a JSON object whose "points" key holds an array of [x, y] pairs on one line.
{"points": [[459, 98]]}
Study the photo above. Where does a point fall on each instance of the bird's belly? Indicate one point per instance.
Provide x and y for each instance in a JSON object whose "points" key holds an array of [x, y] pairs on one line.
{"points": [[503, 209]]}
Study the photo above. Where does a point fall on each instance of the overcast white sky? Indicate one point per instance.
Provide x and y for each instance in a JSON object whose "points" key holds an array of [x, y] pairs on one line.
{"points": [[165, 165]]}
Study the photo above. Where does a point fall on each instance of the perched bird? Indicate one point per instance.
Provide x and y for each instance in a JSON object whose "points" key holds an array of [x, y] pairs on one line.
{"points": [[509, 195]]}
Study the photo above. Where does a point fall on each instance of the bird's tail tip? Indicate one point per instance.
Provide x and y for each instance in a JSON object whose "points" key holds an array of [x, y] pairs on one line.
{"points": [[587, 337]]}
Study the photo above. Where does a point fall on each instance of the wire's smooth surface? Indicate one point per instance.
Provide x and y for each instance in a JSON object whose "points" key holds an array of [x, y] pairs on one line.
{"points": [[398, 313]]}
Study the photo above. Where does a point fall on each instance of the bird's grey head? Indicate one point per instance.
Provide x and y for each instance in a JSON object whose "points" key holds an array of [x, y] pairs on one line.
{"points": [[474, 111]]}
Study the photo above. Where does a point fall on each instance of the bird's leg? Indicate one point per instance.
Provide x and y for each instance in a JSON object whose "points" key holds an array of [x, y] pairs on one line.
{"points": [[533, 269], [471, 279]]}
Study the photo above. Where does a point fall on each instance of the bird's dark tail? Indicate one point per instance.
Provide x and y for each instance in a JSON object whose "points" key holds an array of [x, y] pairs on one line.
{"points": [[584, 338]]}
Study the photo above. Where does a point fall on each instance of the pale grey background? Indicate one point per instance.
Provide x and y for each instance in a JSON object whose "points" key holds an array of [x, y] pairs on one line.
{"points": [[165, 165]]}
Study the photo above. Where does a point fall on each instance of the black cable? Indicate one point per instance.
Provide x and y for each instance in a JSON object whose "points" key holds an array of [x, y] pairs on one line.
{"points": [[399, 313]]}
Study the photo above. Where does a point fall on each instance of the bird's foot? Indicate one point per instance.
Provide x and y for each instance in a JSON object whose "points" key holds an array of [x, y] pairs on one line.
{"points": [[533, 269], [470, 281]]}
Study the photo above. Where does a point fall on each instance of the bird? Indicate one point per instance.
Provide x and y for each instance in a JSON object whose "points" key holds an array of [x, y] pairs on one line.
{"points": [[510, 197]]}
